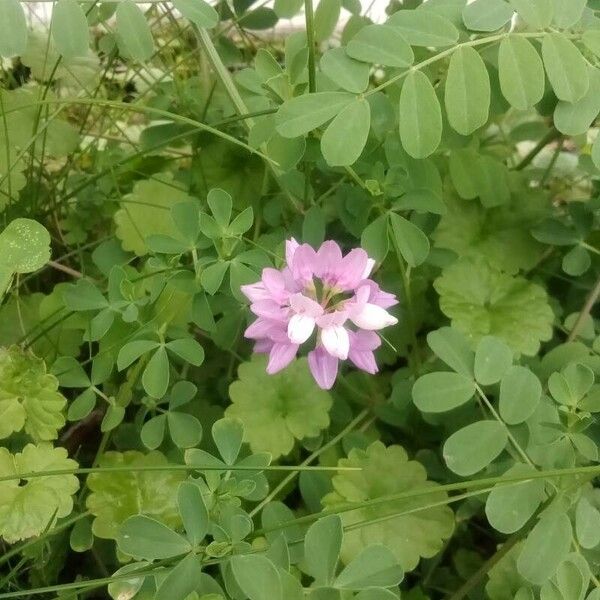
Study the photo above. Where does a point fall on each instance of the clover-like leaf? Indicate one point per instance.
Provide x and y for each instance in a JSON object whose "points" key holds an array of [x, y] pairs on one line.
{"points": [[276, 410], [481, 300], [146, 212], [118, 495], [24, 246], [29, 396], [385, 471], [30, 505]]}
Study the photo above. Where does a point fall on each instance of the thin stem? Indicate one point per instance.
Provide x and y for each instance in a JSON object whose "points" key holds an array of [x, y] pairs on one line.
{"points": [[585, 311], [310, 41], [551, 135], [332, 442], [511, 437]]}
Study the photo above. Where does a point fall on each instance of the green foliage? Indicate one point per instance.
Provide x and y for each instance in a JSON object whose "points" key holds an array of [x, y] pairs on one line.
{"points": [[30, 505], [387, 471], [29, 396], [150, 168], [481, 300], [276, 410], [117, 495]]}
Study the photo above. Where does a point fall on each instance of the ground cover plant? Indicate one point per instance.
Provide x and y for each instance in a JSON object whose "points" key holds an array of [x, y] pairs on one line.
{"points": [[296, 304]]}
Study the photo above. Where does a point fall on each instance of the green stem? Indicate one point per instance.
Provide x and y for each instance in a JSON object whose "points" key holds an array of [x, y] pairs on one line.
{"points": [[310, 41], [332, 442]]}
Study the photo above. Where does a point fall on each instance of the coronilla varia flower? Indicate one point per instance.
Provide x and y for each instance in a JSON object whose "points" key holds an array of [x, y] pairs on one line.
{"points": [[325, 293]]}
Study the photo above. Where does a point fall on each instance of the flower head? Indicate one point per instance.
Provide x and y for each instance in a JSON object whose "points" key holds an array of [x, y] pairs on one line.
{"points": [[325, 292]]}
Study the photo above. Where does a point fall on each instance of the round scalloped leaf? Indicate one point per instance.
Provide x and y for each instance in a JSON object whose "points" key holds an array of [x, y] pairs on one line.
{"points": [[29, 396], [481, 300], [276, 410], [28, 506], [385, 471], [118, 495], [24, 246], [146, 212]]}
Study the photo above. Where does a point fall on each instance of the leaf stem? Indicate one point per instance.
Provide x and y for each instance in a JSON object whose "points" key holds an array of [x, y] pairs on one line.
{"points": [[310, 41], [585, 311]]}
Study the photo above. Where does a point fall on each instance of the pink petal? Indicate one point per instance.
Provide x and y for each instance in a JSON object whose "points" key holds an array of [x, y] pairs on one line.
{"points": [[263, 346], [274, 283], [335, 318], [362, 344], [291, 246], [255, 291], [329, 266], [300, 328], [303, 264], [265, 328], [354, 264], [303, 305], [323, 367], [281, 356], [269, 309]]}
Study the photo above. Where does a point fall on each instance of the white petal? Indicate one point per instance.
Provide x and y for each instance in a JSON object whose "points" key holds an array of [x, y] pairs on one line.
{"points": [[373, 317], [368, 268], [300, 328], [336, 341]]}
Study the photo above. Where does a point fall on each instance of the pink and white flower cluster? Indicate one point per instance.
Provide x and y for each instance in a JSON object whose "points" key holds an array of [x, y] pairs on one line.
{"points": [[323, 291]]}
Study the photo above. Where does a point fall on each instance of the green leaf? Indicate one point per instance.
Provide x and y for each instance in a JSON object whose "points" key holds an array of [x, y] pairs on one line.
{"points": [[570, 385], [346, 136], [509, 507], [349, 74], [188, 349], [441, 392], [113, 417], [286, 9], [182, 581], [474, 447], [375, 566], [155, 377], [575, 118], [277, 409], [545, 547], [387, 471], [322, 546], [521, 72], [424, 28], [565, 66], [257, 577], [29, 396], [192, 509], [327, 14], [382, 45], [486, 15], [493, 358], [453, 348], [596, 152], [467, 91], [412, 243], [133, 33], [591, 39], [520, 393], [220, 203], [70, 29], [305, 113], [143, 537], [228, 435], [118, 495], [30, 506], [420, 116], [153, 432], [567, 14], [131, 351], [198, 12], [81, 538], [70, 373], [576, 262], [243, 221], [24, 246], [536, 13], [146, 211], [82, 406], [375, 239], [481, 300], [185, 429], [587, 524], [211, 278], [13, 29], [313, 226]]}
